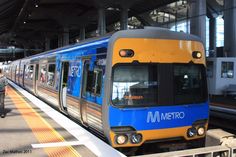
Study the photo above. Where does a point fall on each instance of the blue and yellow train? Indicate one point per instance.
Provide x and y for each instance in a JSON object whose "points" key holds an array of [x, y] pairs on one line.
{"points": [[133, 87]]}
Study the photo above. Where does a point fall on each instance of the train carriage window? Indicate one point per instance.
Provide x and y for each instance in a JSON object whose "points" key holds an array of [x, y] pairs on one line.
{"points": [[31, 72], [21, 71], [42, 76], [51, 74], [85, 77], [98, 81], [17, 70], [92, 80], [73, 83], [26, 71], [227, 70]]}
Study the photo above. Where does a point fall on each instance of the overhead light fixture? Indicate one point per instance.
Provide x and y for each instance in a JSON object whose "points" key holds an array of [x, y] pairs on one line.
{"points": [[24, 22], [113, 9], [36, 5]]}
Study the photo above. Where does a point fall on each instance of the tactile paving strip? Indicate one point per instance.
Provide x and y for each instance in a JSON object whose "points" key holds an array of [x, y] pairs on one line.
{"points": [[42, 130]]}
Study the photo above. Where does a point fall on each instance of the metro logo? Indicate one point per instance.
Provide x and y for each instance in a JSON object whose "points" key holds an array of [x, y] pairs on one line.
{"points": [[153, 117]]}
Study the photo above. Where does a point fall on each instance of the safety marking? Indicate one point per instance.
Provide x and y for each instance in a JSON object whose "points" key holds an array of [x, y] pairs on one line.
{"points": [[42, 130], [56, 144], [96, 145]]}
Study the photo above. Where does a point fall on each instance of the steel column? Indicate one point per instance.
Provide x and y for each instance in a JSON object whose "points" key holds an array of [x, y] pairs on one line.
{"points": [[65, 36], [212, 34], [230, 28], [101, 21], [124, 19], [198, 18]]}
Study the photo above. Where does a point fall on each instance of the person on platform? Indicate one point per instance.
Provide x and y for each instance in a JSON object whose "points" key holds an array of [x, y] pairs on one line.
{"points": [[3, 84]]}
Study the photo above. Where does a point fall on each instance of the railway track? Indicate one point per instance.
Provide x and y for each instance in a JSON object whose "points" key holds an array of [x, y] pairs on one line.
{"points": [[223, 118]]}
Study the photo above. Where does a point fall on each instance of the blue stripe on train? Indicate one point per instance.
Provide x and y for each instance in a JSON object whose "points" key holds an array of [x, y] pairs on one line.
{"points": [[158, 117]]}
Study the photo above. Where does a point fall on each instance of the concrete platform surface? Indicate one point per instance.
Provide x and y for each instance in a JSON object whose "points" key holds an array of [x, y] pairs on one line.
{"points": [[32, 128]]}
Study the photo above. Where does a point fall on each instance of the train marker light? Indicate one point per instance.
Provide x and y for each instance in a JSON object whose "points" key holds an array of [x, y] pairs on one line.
{"points": [[191, 132], [201, 131], [136, 138], [126, 53], [121, 139], [197, 54]]}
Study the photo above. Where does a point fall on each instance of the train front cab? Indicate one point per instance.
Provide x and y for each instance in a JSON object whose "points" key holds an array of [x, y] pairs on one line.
{"points": [[157, 92]]}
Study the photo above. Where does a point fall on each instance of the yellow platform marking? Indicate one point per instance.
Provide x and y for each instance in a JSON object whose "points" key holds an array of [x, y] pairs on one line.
{"points": [[42, 130]]}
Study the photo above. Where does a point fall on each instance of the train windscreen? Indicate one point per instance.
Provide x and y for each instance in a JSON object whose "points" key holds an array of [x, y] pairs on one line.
{"points": [[189, 84], [158, 84], [135, 85]]}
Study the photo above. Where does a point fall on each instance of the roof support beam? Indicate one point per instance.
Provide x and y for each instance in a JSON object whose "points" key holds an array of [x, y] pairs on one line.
{"points": [[21, 15]]}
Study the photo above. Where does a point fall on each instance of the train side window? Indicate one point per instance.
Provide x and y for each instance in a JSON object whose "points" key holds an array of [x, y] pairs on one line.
{"points": [[21, 71], [17, 70], [98, 82], [43, 70], [227, 70], [94, 82], [51, 74], [90, 80], [26, 71], [31, 72], [85, 77]]}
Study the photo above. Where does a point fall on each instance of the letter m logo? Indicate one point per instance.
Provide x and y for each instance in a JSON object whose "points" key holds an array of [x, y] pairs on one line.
{"points": [[152, 118]]}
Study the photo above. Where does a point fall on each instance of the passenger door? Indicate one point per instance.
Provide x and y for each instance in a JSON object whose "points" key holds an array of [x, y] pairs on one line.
{"points": [[91, 93], [83, 108], [63, 86]]}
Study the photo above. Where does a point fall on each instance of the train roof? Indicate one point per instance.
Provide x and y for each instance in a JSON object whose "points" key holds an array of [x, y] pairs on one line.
{"points": [[83, 44], [155, 33], [147, 32]]}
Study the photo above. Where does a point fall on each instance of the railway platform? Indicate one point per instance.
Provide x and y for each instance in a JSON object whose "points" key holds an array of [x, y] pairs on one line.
{"points": [[31, 128]]}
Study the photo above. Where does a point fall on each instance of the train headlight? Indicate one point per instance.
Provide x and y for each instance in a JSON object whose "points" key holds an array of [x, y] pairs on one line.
{"points": [[121, 139], [197, 54], [126, 53], [136, 138], [201, 131], [191, 132]]}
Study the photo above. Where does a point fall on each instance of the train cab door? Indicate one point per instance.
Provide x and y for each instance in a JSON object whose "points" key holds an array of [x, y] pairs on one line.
{"points": [[83, 99], [63, 86]]}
